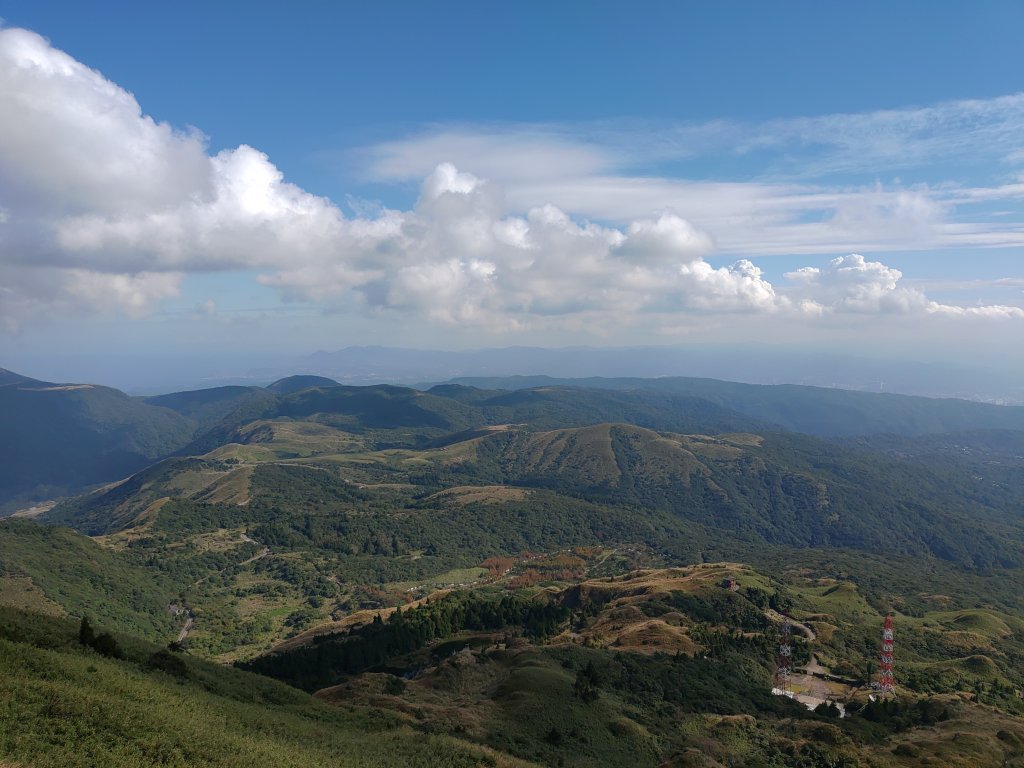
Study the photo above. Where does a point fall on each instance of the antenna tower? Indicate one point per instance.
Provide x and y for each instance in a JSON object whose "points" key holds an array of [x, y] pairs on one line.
{"points": [[885, 679], [784, 661]]}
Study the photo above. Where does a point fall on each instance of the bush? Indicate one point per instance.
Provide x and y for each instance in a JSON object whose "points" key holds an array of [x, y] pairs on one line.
{"points": [[165, 661], [106, 645]]}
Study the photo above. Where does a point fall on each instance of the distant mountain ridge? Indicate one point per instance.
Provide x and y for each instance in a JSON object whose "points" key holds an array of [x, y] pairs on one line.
{"points": [[10, 379], [60, 438], [291, 384], [755, 364], [810, 410]]}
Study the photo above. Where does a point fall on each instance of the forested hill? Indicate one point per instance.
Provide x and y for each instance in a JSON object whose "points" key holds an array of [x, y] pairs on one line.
{"points": [[811, 410], [57, 439]]}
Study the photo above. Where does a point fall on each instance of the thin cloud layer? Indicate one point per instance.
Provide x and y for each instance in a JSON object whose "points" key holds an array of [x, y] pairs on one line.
{"points": [[101, 208]]}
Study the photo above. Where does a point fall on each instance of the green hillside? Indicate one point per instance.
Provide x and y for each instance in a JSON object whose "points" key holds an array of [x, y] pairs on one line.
{"points": [[66, 705], [666, 667], [291, 384], [810, 410], [79, 576], [58, 438], [208, 406]]}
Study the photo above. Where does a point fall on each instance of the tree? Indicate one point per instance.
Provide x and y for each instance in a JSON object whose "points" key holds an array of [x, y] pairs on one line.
{"points": [[106, 645], [86, 635], [588, 683]]}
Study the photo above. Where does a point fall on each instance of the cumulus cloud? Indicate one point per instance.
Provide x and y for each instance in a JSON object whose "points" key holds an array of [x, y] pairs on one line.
{"points": [[795, 204], [667, 239], [105, 207], [854, 284], [102, 207], [457, 258]]}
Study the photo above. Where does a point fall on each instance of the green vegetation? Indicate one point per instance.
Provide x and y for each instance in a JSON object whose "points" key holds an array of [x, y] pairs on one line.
{"points": [[59, 438], [65, 705], [810, 410], [366, 647], [311, 511], [85, 578], [578, 693]]}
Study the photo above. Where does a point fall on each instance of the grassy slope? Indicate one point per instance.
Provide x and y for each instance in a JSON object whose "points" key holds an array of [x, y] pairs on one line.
{"points": [[85, 578], [337, 514], [61, 705]]}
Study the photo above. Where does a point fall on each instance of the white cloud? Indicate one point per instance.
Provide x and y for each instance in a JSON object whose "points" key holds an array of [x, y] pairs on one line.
{"points": [[73, 140], [667, 239], [853, 284], [104, 208], [457, 259], [974, 132], [794, 202]]}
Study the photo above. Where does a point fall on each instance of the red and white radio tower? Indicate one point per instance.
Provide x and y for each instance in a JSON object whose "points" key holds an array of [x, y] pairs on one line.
{"points": [[784, 661], [885, 681]]}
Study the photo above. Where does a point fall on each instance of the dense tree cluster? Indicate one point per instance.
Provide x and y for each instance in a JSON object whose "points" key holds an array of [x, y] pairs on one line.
{"points": [[330, 658]]}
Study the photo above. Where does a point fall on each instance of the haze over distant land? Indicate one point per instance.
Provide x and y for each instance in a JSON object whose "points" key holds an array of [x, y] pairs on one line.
{"points": [[154, 209], [753, 364]]}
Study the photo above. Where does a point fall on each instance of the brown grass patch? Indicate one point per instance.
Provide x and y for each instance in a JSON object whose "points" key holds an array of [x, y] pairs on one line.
{"points": [[36, 509], [140, 527], [232, 488], [21, 592], [463, 495], [823, 630], [653, 636]]}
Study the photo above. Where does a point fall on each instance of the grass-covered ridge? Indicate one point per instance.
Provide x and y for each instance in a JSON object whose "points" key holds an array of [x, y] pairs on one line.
{"points": [[66, 706], [83, 577]]}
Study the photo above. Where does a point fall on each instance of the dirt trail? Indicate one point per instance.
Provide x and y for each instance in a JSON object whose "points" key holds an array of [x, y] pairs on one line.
{"points": [[262, 553], [803, 629], [814, 667], [189, 623], [258, 556]]}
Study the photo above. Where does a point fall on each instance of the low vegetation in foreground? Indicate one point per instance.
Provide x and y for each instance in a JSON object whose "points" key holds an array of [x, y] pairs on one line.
{"points": [[67, 704]]}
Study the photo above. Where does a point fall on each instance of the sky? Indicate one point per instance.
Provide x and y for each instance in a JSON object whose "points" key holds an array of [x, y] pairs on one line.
{"points": [[243, 180]]}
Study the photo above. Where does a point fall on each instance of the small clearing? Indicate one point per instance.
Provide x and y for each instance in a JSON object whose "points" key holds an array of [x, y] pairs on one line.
{"points": [[36, 509], [479, 494]]}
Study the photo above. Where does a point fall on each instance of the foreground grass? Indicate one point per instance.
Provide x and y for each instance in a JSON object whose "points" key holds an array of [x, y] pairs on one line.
{"points": [[65, 706]]}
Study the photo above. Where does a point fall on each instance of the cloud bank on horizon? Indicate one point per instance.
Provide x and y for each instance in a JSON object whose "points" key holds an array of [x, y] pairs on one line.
{"points": [[515, 229]]}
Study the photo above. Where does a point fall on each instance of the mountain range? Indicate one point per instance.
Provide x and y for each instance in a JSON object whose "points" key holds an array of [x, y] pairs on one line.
{"points": [[510, 571], [62, 438]]}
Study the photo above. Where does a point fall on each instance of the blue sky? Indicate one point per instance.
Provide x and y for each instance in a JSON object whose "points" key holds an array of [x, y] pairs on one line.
{"points": [[270, 177]]}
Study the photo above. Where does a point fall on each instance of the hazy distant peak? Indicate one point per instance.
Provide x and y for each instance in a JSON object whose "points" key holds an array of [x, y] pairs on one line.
{"points": [[10, 378]]}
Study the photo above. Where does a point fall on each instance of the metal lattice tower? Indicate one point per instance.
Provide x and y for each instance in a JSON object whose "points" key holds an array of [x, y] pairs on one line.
{"points": [[784, 661], [885, 679]]}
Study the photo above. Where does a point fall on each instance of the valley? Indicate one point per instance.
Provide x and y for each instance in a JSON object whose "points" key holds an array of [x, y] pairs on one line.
{"points": [[466, 562]]}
